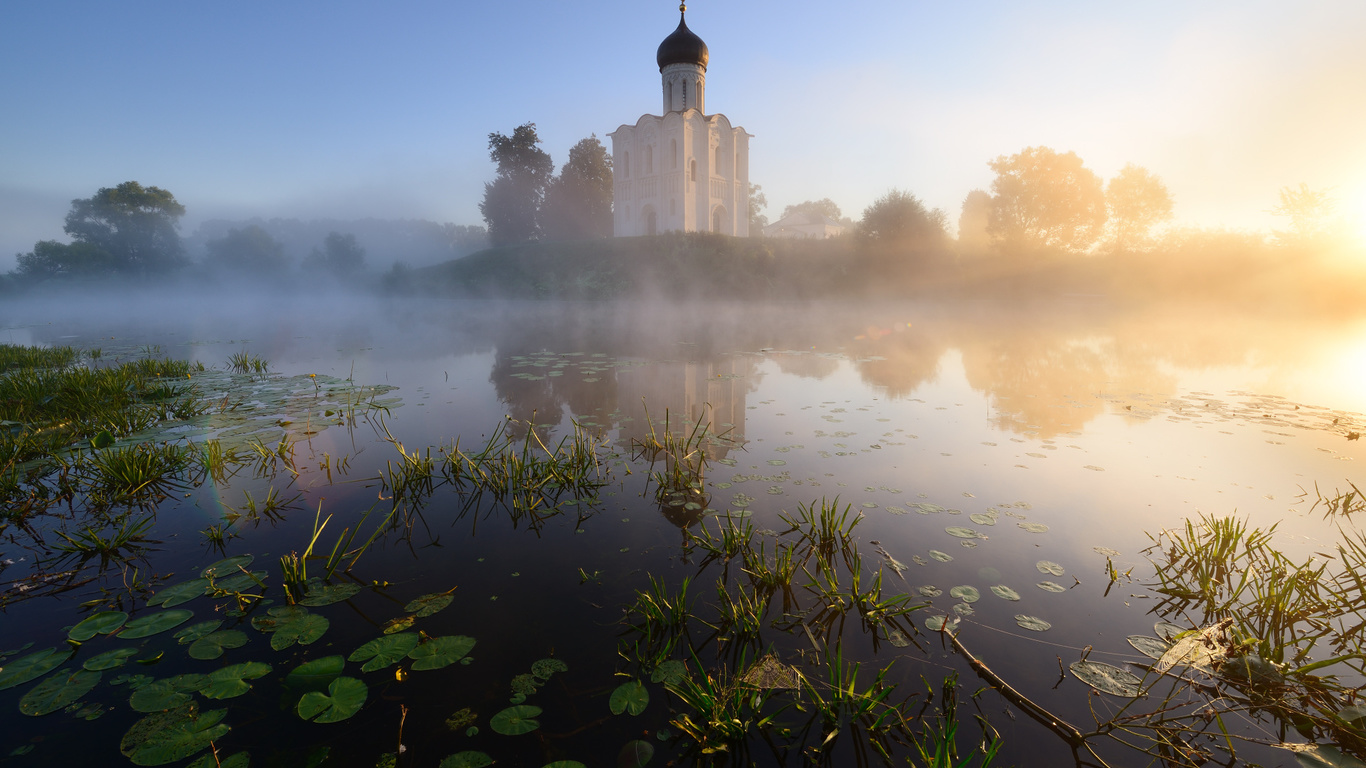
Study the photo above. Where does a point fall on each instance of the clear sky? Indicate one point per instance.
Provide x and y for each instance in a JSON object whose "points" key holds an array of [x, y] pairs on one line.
{"points": [[353, 109]]}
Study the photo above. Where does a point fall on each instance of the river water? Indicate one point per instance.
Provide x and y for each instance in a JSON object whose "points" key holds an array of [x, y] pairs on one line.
{"points": [[1074, 432]]}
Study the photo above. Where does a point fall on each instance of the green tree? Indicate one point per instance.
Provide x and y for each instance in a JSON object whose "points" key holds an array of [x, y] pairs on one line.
{"points": [[340, 256], [249, 249], [972, 223], [50, 259], [135, 225], [578, 202], [758, 201], [1137, 200], [1045, 200], [823, 207], [512, 201], [1310, 212], [899, 220]]}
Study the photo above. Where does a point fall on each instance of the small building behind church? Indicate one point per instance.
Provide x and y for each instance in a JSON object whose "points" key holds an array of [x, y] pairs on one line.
{"points": [[683, 170], [802, 225]]}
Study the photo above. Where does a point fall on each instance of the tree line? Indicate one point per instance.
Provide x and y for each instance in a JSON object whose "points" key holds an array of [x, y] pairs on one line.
{"points": [[526, 201]]}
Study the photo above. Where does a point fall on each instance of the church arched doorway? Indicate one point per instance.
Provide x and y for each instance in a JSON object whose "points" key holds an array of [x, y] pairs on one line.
{"points": [[651, 221], [720, 220]]}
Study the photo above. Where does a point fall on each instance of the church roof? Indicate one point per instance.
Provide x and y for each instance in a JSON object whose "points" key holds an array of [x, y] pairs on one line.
{"points": [[682, 47]]}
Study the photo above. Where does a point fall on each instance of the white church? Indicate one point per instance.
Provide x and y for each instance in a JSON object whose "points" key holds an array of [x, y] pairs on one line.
{"points": [[684, 170]]}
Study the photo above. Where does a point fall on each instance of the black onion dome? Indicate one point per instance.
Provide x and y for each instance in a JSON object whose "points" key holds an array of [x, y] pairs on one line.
{"points": [[682, 47]]}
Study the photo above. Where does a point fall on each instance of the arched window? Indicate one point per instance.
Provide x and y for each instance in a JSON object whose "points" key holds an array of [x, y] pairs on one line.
{"points": [[685, 94], [651, 222], [673, 154], [649, 159], [692, 170], [673, 207], [718, 219], [626, 165], [671, 96]]}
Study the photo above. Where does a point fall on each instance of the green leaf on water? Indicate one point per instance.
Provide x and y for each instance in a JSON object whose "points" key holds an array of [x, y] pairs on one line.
{"points": [[1034, 527], [195, 631], [426, 605], [227, 566], [1051, 586], [1005, 593], [166, 737], [1032, 622], [110, 659], [1107, 678], [36, 664], [669, 673], [241, 582], [315, 675], [938, 623], [184, 592], [629, 697], [327, 594], [982, 519], [102, 623], [1325, 756], [102, 439], [636, 754], [291, 624], [238, 760], [213, 645], [401, 624], [155, 623], [1151, 647], [57, 692], [963, 533], [1049, 567], [517, 720], [440, 652], [158, 696], [230, 682], [544, 668], [1169, 632], [942, 557], [384, 651], [467, 759], [344, 698], [967, 594]]}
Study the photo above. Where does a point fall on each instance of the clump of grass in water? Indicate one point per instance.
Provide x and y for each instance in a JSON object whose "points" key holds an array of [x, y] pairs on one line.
{"points": [[824, 529], [245, 362], [127, 540], [685, 460]]}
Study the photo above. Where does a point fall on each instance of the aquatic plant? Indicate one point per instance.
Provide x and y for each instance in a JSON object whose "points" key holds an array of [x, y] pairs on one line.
{"points": [[126, 540], [245, 362], [825, 529]]}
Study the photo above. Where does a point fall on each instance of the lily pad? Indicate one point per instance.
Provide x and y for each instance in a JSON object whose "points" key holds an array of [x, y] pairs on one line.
{"points": [[982, 519], [315, 675], [166, 737], [401, 624], [327, 594], [426, 605], [228, 566], [302, 628], [517, 720], [1034, 527], [110, 659], [34, 665], [544, 668], [57, 692], [963, 533], [237, 760], [384, 651], [669, 673], [467, 759], [1032, 622], [440, 652], [230, 682], [967, 594], [195, 631], [930, 590], [1051, 586], [184, 592], [213, 645], [942, 557], [155, 623], [241, 582], [1005, 593], [1049, 567], [1326, 756], [636, 754], [941, 623], [344, 698], [1107, 678], [102, 623], [630, 697], [1169, 632], [1151, 647], [158, 696]]}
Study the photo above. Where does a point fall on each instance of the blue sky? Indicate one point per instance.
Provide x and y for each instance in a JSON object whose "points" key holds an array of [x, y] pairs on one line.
{"points": [[351, 109]]}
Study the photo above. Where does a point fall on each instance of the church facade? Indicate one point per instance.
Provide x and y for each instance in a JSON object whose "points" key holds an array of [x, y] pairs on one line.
{"points": [[683, 170]]}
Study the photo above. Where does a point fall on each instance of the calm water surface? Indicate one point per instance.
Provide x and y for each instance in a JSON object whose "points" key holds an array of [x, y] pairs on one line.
{"points": [[1080, 428]]}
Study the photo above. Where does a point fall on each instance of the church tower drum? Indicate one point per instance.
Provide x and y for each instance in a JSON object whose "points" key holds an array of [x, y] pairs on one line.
{"points": [[683, 170]]}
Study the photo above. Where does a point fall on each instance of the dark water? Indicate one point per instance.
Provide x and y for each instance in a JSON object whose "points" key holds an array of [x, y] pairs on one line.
{"points": [[1079, 431]]}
